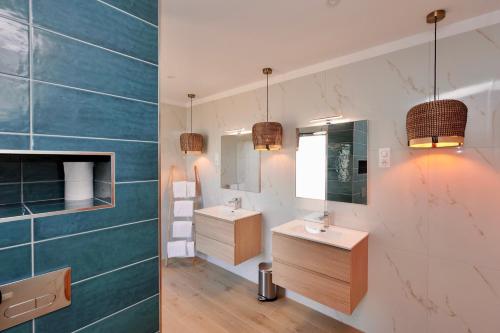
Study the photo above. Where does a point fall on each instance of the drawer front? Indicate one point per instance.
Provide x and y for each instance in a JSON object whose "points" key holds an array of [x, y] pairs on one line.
{"points": [[215, 229], [324, 259], [325, 290], [215, 248]]}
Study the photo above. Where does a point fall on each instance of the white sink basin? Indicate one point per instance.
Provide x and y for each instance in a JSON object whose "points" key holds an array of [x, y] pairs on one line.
{"points": [[335, 236], [226, 213], [314, 229]]}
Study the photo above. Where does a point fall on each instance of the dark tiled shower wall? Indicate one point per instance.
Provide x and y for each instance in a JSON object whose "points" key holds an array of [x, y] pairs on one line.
{"points": [[82, 76]]}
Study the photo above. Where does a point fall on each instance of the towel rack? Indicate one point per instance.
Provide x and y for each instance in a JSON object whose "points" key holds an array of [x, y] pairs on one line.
{"points": [[196, 204]]}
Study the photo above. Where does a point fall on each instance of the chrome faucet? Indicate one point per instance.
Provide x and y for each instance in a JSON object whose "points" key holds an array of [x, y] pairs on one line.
{"points": [[235, 203], [326, 219]]}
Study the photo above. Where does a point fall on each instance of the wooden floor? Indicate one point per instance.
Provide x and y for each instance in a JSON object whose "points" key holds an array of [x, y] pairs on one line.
{"points": [[206, 298]]}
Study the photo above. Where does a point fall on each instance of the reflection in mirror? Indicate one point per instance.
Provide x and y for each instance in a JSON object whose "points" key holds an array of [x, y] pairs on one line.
{"points": [[310, 175], [331, 162], [240, 163]]}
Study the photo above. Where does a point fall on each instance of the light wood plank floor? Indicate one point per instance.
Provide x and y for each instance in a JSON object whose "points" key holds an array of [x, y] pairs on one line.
{"points": [[205, 298]]}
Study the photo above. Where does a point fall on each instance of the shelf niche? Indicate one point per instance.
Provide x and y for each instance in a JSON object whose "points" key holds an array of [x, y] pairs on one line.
{"points": [[32, 183]]}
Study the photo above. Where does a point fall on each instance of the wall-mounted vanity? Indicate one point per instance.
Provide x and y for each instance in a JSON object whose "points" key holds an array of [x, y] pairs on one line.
{"points": [[232, 236], [330, 267]]}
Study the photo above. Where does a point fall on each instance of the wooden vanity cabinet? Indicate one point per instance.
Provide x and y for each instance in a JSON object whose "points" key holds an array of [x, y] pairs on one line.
{"points": [[335, 277], [232, 241]]}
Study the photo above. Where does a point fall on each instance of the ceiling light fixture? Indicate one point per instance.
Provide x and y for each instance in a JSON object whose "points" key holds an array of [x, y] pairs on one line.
{"points": [[191, 143], [267, 135], [439, 123], [238, 131], [326, 120]]}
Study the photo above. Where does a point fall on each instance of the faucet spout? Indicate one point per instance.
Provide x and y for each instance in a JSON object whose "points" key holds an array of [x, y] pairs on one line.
{"points": [[326, 219]]}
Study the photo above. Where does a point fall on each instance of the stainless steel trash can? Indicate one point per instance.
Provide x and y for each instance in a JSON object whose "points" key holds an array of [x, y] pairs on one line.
{"points": [[268, 291]]}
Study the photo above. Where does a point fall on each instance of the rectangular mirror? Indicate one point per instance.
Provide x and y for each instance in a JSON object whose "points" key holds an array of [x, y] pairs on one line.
{"points": [[240, 163], [331, 162]]}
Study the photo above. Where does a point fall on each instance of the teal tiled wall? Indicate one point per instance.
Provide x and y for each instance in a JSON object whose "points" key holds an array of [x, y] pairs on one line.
{"points": [[82, 75]]}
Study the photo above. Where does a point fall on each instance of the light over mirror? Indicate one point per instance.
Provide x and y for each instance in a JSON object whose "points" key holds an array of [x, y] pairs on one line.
{"points": [[240, 163], [331, 162]]}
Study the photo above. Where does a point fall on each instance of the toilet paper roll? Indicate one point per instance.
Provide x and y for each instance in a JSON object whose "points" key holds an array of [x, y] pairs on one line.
{"points": [[79, 180], [78, 171]]}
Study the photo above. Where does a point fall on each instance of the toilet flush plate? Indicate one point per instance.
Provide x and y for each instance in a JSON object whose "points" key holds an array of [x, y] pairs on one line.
{"points": [[27, 299]]}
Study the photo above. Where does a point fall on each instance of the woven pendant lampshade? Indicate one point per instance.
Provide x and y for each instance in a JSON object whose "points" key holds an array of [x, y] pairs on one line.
{"points": [[267, 135], [439, 123], [191, 143]]}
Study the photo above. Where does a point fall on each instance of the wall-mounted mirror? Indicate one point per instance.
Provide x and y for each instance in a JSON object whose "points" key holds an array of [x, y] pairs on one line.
{"points": [[331, 162], [240, 163]]}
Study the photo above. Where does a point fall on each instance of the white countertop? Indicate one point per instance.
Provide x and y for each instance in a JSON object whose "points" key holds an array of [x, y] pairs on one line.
{"points": [[226, 213], [335, 236]]}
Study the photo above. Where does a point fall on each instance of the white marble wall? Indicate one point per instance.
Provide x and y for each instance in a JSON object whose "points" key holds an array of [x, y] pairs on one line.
{"points": [[433, 217]]}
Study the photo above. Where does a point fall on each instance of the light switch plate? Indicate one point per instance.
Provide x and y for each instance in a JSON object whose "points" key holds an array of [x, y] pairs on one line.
{"points": [[34, 297], [384, 157]]}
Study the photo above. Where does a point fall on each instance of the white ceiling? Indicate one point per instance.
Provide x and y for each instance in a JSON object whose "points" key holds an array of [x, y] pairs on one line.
{"points": [[210, 46]]}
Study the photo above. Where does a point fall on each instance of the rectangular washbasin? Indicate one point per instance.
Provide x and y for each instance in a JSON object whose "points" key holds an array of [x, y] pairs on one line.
{"points": [[335, 236], [226, 213]]}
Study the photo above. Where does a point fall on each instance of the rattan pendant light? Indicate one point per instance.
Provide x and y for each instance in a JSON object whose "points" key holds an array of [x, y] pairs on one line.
{"points": [[191, 143], [267, 135], [440, 123]]}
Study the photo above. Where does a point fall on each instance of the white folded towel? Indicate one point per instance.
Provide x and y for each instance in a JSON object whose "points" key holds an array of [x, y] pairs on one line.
{"points": [[179, 189], [183, 208], [182, 229], [176, 249], [190, 249], [190, 189]]}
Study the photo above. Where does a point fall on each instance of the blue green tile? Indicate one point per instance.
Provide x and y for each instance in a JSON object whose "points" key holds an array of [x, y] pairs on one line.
{"points": [[43, 191], [134, 202], [17, 142], [94, 22], [140, 318], [65, 61], [144, 9], [115, 291], [339, 197], [12, 210], [14, 48], [42, 170], [21, 328], [16, 264], [14, 109], [17, 9], [47, 206], [10, 169], [14, 233], [10, 193], [98, 252], [134, 160], [63, 111]]}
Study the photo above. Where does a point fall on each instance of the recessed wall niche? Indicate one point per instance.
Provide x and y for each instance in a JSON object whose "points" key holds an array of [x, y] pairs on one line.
{"points": [[32, 183]]}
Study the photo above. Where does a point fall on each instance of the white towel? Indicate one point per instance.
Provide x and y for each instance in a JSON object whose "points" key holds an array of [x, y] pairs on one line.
{"points": [[190, 249], [182, 229], [179, 189], [183, 208], [191, 189], [176, 249]]}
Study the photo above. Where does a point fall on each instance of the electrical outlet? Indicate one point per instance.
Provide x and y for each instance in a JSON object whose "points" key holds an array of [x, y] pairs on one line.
{"points": [[384, 157]]}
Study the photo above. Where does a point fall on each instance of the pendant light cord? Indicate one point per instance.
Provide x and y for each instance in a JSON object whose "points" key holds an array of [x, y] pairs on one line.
{"points": [[191, 114], [267, 97], [435, 55]]}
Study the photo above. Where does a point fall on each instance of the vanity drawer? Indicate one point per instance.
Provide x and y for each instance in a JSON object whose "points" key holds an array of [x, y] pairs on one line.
{"points": [[215, 248], [326, 290], [317, 257], [214, 228]]}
